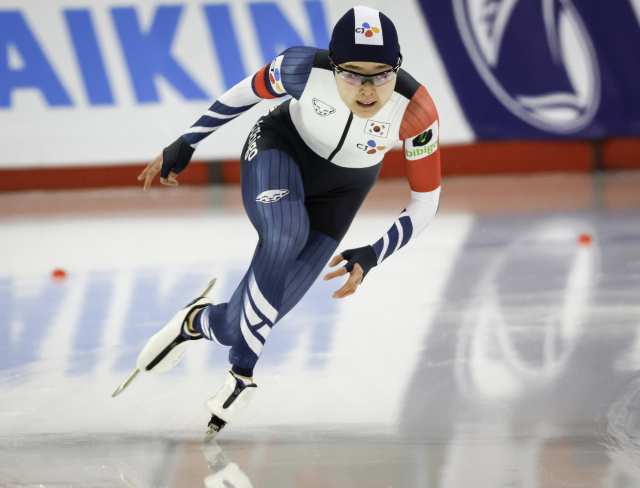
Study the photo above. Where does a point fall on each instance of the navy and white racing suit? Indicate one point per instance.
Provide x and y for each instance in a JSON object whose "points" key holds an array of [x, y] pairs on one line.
{"points": [[307, 167]]}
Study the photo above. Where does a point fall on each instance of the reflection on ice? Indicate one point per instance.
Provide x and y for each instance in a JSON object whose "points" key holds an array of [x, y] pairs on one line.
{"points": [[495, 351], [223, 473], [527, 310]]}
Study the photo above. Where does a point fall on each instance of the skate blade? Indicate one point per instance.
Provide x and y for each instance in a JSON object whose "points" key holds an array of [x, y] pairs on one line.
{"points": [[126, 382], [209, 436], [208, 288], [126, 479]]}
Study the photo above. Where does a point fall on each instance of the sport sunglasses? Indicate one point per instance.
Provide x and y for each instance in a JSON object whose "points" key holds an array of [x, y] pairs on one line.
{"points": [[358, 79]]}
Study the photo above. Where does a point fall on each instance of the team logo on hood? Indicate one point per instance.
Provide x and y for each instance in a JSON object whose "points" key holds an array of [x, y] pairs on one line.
{"points": [[368, 29], [543, 69]]}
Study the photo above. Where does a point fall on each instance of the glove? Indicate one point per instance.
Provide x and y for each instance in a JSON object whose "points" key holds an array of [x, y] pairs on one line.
{"points": [[365, 256], [176, 157]]}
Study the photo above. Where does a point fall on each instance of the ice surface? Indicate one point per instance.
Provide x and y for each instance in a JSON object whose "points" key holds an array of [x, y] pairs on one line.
{"points": [[494, 351]]}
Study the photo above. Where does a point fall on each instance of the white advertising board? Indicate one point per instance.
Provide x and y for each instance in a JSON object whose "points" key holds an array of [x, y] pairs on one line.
{"points": [[112, 82]]}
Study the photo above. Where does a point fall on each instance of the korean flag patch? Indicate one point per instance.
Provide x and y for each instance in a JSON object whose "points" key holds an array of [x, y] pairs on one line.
{"points": [[422, 145], [375, 128]]}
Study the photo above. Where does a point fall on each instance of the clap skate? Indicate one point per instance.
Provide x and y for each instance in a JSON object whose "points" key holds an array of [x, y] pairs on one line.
{"points": [[227, 405], [163, 351]]}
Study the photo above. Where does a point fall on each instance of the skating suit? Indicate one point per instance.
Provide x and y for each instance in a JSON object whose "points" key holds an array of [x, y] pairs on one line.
{"points": [[307, 167]]}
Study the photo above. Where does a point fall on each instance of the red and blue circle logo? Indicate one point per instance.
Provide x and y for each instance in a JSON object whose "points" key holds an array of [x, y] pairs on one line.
{"points": [[370, 147], [369, 31]]}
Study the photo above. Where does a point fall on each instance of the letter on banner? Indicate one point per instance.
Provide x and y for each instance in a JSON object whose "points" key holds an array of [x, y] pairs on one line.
{"points": [[318, 23], [149, 53], [225, 43], [274, 31], [33, 69], [85, 43], [276, 34]]}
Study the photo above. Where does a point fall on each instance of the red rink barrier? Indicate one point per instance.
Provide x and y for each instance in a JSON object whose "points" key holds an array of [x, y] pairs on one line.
{"points": [[480, 158]]}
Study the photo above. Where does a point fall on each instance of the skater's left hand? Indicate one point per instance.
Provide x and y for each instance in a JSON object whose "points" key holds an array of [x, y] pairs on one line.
{"points": [[152, 169], [355, 278]]}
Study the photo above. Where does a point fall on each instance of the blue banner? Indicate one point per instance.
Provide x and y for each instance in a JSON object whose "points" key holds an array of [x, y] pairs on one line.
{"points": [[540, 69]]}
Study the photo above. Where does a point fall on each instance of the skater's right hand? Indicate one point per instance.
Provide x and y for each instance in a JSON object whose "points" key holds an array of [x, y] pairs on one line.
{"points": [[150, 172]]}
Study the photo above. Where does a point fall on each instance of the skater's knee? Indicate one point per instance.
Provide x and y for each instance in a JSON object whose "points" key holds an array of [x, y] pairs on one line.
{"points": [[291, 239]]}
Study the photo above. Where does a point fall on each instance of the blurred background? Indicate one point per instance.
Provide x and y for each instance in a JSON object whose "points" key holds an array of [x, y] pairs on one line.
{"points": [[500, 349]]}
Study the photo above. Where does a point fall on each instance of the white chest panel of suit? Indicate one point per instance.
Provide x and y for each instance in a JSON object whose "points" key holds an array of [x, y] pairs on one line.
{"points": [[329, 128]]}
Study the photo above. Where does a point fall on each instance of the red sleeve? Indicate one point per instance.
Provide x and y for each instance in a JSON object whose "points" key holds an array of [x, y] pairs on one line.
{"points": [[259, 84], [420, 116]]}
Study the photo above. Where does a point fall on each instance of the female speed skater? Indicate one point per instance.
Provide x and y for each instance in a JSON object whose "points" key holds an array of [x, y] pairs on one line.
{"points": [[307, 167]]}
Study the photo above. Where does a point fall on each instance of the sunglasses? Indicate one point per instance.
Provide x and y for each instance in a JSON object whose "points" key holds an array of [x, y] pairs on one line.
{"points": [[358, 79]]}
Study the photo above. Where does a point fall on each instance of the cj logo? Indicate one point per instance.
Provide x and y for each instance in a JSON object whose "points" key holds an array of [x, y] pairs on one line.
{"points": [[370, 147], [271, 196], [275, 76], [537, 58], [367, 30]]}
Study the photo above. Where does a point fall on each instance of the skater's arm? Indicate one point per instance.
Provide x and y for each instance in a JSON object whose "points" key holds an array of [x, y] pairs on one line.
{"points": [[420, 132], [287, 74]]}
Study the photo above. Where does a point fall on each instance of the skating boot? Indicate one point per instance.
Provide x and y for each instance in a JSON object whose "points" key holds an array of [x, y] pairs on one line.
{"points": [[163, 351], [227, 405]]}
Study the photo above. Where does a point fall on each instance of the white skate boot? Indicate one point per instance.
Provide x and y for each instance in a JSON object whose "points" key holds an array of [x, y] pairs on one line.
{"points": [[227, 405], [163, 351]]}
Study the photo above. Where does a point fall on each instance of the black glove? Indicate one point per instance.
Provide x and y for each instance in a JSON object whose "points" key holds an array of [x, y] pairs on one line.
{"points": [[176, 157], [365, 256]]}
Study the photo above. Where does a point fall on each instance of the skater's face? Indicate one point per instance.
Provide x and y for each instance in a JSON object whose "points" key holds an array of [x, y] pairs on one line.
{"points": [[365, 100]]}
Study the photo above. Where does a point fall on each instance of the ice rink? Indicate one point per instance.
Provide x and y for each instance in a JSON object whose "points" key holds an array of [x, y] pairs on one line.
{"points": [[499, 349]]}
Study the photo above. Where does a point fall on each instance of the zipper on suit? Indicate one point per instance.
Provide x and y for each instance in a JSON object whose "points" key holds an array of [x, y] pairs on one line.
{"points": [[344, 136]]}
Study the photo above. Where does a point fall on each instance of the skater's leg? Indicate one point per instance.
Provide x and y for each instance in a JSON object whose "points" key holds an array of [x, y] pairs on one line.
{"points": [[283, 228], [310, 263]]}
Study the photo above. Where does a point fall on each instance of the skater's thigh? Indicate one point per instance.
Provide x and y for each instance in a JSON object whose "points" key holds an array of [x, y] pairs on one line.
{"points": [[273, 192]]}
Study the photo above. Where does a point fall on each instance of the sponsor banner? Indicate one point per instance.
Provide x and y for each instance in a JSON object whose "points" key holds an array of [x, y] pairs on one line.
{"points": [[115, 81], [541, 69]]}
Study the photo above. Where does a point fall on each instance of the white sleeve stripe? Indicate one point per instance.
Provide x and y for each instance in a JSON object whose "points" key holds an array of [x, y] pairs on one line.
{"points": [[193, 130], [400, 235], [385, 244], [215, 115], [240, 95]]}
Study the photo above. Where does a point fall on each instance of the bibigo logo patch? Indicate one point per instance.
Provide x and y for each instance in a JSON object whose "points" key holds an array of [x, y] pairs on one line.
{"points": [[370, 147], [275, 76], [271, 196], [423, 144]]}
